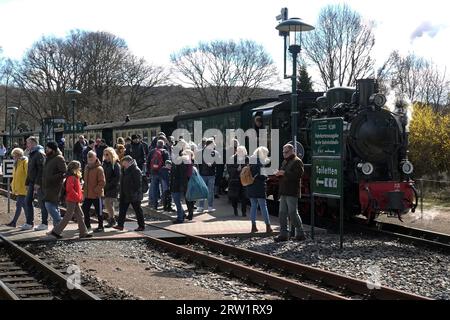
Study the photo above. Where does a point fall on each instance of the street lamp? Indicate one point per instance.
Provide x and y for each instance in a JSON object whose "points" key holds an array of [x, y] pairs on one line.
{"points": [[297, 27], [12, 111], [73, 92]]}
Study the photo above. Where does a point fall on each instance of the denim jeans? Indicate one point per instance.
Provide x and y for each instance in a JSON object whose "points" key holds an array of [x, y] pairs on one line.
{"points": [[210, 183], [20, 203], [288, 208], [154, 193], [176, 196], [53, 210], [29, 209], [262, 205]]}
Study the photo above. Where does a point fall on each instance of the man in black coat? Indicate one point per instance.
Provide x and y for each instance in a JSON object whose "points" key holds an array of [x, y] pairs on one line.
{"points": [[136, 150], [290, 175], [36, 160], [52, 180], [130, 193], [100, 148], [78, 149]]}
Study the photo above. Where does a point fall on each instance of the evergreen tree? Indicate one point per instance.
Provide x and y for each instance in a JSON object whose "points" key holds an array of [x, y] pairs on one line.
{"points": [[304, 80]]}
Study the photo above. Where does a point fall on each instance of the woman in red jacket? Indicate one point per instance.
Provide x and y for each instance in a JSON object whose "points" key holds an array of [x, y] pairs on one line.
{"points": [[74, 196]]}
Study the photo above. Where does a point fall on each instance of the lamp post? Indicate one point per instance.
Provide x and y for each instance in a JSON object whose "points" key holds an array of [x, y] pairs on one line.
{"points": [[73, 93], [12, 111], [297, 27]]}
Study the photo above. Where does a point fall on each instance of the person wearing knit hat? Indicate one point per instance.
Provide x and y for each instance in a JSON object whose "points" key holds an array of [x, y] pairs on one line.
{"points": [[52, 145], [52, 180]]}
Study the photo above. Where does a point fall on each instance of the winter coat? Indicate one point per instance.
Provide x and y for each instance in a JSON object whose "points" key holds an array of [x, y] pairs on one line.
{"points": [[131, 184], [112, 176], [258, 188], [205, 169], [99, 151], [235, 188], [53, 177], [290, 183], [19, 177], [36, 159], [74, 193], [94, 181], [179, 176], [78, 150], [137, 152]]}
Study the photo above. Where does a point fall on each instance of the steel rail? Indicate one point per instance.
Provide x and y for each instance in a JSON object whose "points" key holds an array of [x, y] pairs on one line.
{"points": [[47, 270], [319, 276], [274, 282]]}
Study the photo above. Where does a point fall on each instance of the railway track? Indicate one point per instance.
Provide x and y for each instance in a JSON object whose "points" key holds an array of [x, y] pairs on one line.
{"points": [[290, 278], [434, 240], [24, 276]]}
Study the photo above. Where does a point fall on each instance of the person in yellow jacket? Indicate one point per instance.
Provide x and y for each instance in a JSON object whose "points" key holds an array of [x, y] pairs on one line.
{"points": [[18, 182]]}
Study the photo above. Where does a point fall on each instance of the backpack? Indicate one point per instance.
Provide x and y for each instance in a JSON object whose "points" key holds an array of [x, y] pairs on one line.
{"points": [[246, 176], [63, 193], [157, 161]]}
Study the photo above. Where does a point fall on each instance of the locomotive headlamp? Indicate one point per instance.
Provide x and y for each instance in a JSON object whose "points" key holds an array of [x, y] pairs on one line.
{"points": [[367, 168], [407, 167], [378, 99]]}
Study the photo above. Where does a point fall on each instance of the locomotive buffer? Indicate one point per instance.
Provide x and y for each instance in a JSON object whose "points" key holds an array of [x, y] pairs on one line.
{"points": [[327, 165]]}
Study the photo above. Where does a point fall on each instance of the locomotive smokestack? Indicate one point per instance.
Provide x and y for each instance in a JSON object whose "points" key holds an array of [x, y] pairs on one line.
{"points": [[365, 88]]}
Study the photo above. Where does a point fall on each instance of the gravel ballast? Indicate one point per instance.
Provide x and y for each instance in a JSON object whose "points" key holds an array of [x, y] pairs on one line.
{"points": [[122, 254], [383, 262]]}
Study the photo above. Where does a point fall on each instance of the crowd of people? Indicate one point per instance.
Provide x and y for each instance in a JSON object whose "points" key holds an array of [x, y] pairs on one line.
{"points": [[100, 175]]}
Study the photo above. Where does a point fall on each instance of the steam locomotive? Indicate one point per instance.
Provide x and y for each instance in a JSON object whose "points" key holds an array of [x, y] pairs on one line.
{"points": [[377, 172]]}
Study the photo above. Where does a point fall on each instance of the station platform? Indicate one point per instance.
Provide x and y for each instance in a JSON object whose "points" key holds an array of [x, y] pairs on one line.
{"points": [[221, 223]]}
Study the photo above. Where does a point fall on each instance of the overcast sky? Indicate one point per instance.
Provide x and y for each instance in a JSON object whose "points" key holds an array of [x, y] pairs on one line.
{"points": [[154, 29]]}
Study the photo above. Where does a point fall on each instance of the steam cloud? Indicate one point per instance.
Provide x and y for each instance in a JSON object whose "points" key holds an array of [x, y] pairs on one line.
{"points": [[426, 27]]}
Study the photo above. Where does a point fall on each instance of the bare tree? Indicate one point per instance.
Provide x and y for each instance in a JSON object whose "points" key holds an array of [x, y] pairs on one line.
{"points": [[421, 80], [5, 79], [112, 80], [341, 46], [224, 72]]}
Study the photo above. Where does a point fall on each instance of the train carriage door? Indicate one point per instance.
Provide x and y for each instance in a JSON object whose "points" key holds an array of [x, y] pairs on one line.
{"points": [[107, 135]]}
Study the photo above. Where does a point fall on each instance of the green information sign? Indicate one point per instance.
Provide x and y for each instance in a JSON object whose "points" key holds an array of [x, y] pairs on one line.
{"points": [[327, 161], [327, 177], [327, 170], [326, 137]]}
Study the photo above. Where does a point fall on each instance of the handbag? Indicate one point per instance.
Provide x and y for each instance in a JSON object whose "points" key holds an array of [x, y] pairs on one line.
{"points": [[196, 189]]}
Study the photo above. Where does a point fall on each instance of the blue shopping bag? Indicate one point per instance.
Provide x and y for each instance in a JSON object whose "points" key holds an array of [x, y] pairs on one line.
{"points": [[196, 189]]}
